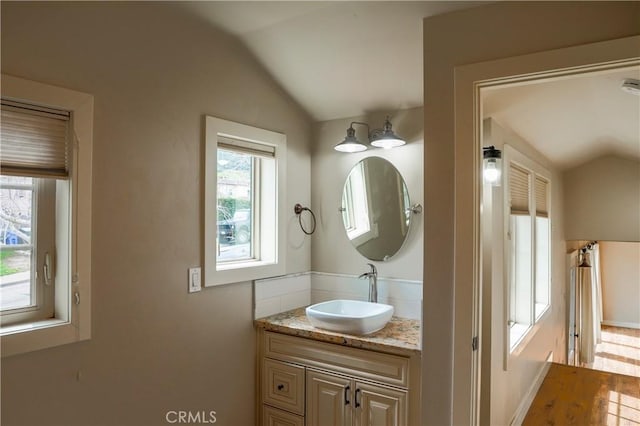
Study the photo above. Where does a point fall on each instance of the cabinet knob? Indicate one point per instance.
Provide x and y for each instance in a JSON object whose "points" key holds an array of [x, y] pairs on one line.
{"points": [[280, 386], [346, 395], [356, 398]]}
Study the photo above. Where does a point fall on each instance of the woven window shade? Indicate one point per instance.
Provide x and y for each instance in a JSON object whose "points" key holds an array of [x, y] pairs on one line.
{"points": [[542, 204], [34, 141], [518, 190], [246, 147]]}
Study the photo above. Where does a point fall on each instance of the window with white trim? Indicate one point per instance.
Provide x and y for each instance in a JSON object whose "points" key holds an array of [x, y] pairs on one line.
{"points": [[542, 256], [528, 243], [244, 202], [27, 248], [34, 143], [45, 216]]}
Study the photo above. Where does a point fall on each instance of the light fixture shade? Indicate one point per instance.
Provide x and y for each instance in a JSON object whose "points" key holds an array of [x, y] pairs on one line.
{"points": [[492, 166], [350, 143], [386, 138]]}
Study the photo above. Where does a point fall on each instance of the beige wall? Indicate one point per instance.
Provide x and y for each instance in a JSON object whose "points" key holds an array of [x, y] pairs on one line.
{"points": [[501, 30], [603, 200], [154, 73], [332, 251], [503, 390], [620, 273]]}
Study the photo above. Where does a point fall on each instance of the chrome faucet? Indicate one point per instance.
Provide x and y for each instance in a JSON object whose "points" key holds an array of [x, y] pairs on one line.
{"points": [[373, 283]]}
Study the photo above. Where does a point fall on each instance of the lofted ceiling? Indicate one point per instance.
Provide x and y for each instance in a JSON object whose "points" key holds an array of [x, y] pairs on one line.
{"points": [[341, 59], [573, 120], [335, 58]]}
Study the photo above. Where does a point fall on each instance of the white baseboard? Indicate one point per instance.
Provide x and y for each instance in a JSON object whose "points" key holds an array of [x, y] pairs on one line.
{"points": [[523, 408], [622, 324]]}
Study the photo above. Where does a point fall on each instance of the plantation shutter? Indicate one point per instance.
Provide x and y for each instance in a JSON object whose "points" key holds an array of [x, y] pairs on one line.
{"points": [[247, 147], [34, 141], [542, 204], [518, 190]]}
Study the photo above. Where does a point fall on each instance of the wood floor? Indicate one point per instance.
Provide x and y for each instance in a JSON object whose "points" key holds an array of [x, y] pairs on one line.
{"points": [[607, 396], [576, 396], [619, 351]]}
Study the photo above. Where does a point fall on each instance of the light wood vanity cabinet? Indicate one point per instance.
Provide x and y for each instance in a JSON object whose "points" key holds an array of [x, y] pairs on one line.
{"points": [[337, 400], [308, 382]]}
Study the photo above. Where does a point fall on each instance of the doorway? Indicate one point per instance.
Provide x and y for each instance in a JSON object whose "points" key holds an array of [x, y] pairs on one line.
{"points": [[517, 284], [598, 173], [549, 341]]}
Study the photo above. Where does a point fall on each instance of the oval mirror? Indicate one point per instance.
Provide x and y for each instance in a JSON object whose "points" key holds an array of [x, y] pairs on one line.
{"points": [[375, 208]]}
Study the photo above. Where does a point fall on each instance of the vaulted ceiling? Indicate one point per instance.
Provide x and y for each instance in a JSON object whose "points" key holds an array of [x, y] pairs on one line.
{"points": [[342, 59], [335, 58], [572, 121]]}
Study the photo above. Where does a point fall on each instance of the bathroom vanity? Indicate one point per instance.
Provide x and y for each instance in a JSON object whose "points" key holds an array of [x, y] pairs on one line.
{"points": [[308, 376]]}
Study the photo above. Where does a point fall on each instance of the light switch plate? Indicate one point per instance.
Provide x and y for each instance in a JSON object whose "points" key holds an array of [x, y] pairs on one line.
{"points": [[194, 280]]}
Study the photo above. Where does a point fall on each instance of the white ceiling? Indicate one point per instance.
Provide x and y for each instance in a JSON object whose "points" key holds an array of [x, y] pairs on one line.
{"points": [[342, 59], [572, 121], [335, 58]]}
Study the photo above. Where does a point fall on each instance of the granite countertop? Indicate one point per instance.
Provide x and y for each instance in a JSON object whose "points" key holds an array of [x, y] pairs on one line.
{"points": [[400, 335]]}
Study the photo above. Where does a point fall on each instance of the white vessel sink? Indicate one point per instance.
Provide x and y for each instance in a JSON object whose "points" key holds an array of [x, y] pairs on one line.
{"points": [[349, 316]]}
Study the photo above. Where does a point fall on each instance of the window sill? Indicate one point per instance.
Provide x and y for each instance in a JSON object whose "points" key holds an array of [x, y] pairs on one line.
{"points": [[23, 338], [30, 326], [521, 334], [243, 271], [242, 265], [517, 334], [541, 309]]}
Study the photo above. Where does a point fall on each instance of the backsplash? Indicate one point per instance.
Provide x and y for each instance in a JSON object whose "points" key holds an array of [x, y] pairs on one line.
{"points": [[279, 294], [275, 295]]}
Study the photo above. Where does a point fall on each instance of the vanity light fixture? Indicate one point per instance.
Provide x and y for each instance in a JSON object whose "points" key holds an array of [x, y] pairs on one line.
{"points": [[350, 142], [492, 165], [385, 138], [380, 138]]}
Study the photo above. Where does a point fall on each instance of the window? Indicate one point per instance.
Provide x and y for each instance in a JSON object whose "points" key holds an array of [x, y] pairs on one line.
{"points": [[45, 217], [27, 247], [244, 202], [528, 244], [543, 248]]}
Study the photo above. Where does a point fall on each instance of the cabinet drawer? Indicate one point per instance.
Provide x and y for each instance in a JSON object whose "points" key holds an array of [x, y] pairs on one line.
{"points": [[380, 367], [283, 385], [274, 417]]}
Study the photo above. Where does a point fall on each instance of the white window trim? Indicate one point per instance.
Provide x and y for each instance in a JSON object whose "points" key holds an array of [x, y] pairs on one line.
{"points": [[520, 335], [75, 325], [235, 272]]}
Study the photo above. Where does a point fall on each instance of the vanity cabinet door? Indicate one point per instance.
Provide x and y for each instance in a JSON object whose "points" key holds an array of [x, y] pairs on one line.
{"points": [[380, 406], [328, 399]]}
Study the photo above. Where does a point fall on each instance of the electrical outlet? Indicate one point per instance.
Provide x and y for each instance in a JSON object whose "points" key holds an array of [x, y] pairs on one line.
{"points": [[194, 280]]}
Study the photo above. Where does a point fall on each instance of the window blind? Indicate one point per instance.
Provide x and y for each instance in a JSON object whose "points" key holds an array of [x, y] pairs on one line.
{"points": [[542, 208], [247, 147], [518, 190], [34, 141]]}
